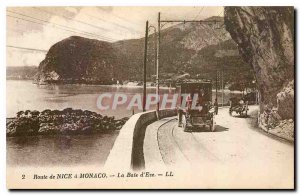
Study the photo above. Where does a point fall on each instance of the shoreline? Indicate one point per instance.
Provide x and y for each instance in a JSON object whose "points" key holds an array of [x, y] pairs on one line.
{"points": [[118, 86]]}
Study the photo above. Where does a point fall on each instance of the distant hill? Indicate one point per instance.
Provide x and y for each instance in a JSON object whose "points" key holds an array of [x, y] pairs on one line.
{"points": [[21, 72], [77, 59], [192, 48]]}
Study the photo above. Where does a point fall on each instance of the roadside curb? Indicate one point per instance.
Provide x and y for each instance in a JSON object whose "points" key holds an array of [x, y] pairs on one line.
{"points": [[152, 154]]}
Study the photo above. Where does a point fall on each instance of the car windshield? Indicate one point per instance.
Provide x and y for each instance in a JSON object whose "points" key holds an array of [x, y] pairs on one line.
{"points": [[203, 91]]}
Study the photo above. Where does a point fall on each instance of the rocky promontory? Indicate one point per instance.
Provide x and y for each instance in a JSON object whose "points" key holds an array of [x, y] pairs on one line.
{"points": [[67, 121], [78, 60]]}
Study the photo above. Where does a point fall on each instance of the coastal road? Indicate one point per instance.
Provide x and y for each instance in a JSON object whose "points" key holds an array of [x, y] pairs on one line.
{"points": [[236, 151]]}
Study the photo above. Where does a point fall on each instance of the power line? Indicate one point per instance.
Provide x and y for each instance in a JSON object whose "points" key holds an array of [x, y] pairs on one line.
{"points": [[51, 26], [116, 24], [218, 37], [220, 12], [185, 21], [26, 48], [62, 26], [199, 12], [68, 18], [130, 22], [94, 26]]}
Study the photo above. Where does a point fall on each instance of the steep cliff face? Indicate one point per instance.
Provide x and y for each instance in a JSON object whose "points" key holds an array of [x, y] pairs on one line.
{"points": [[265, 36]]}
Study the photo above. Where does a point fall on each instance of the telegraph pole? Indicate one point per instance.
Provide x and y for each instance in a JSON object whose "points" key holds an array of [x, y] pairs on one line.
{"points": [[158, 46], [217, 86], [155, 49], [155, 46], [145, 67], [222, 84], [157, 62]]}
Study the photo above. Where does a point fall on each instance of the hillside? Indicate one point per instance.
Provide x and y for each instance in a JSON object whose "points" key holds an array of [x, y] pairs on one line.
{"points": [[77, 59], [191, 48]]}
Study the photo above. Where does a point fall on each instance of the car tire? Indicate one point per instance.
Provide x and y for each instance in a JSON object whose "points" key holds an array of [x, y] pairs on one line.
{"points": [[184, 123], [212, 126]]}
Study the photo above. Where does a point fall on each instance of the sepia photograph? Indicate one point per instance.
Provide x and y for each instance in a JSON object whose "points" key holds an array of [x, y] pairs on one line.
{"points": [[150, 97]]}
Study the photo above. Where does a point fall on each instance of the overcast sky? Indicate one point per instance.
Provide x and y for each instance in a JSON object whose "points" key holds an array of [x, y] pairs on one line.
{"points": [[39, 28]]}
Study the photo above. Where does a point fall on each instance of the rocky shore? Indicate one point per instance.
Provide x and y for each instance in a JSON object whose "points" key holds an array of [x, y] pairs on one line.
{"points": [[66, 122]]}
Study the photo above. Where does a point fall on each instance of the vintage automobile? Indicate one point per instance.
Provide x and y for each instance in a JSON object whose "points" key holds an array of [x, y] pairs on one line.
{"points": [[197, 110], [239, 106], [251, 98]]}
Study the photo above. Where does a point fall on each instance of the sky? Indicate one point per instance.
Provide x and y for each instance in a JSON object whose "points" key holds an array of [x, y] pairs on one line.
{"points": [[31, 31]]}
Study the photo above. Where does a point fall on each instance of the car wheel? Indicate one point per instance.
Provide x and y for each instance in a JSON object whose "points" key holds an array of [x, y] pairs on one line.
{"points": [[212, 126], [184, 123]]}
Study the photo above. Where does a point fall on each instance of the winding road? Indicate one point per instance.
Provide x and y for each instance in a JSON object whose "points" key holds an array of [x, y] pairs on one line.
{"points": [[236, 151]]}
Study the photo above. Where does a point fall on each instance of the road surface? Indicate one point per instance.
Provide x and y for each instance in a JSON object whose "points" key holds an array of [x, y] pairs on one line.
{"points": [[237, 152]]}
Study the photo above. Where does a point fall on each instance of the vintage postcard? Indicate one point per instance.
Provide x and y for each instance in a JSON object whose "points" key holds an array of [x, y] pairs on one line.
{"points": [[150, 97]]}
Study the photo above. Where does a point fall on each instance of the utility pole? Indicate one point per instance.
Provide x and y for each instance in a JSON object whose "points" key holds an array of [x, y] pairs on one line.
{"points": [[155, 46], [222, 77], [217, 86], [157, 62], [158, 45], [155, 49], [145, 67]]}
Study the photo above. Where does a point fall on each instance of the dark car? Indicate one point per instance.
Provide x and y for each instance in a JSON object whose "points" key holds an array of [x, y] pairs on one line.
{"points": [[202, 115], [239, 106]]}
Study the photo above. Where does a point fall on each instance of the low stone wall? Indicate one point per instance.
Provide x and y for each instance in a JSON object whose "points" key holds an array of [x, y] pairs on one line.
{"points": [[167, 113], [125, 153]]}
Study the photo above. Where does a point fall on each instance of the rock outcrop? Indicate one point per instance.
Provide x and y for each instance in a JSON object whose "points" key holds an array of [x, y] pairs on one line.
{"points": [[78, 60], [67, 121], [265, 37]]}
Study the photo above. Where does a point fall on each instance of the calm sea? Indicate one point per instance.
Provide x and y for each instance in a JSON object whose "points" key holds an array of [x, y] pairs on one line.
{"points": [[64, 150]]}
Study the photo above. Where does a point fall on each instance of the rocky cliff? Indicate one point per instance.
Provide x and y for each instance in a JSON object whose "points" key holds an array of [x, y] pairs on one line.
{"points": [[265, 36], [77, 59]]}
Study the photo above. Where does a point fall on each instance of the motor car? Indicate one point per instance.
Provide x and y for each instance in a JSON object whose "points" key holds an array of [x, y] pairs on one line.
{"points": [[196, 110]]}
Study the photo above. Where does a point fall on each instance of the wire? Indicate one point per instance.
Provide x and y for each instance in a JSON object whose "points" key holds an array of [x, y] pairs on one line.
{"points": [[26, 48], [218, 37], [68, 18], [94, 26], [116, 24], [202, 8], [63, 26], [130, 22], [51, 26], [220, 12]]}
